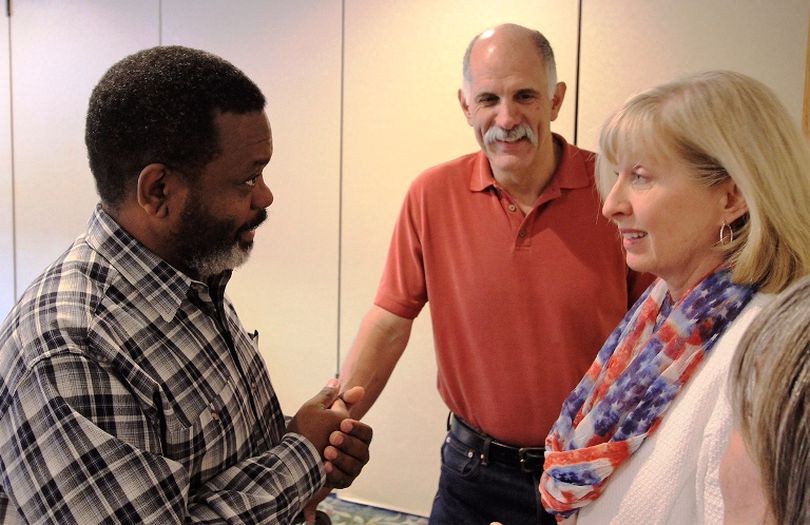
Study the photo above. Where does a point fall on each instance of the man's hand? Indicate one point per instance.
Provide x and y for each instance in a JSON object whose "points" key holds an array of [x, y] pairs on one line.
{"points": [[347, 453], [315, 421], [312, 504], [344, 442]]}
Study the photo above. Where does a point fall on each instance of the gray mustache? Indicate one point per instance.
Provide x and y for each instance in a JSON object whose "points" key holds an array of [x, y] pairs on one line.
{"points": [[518, 132]]}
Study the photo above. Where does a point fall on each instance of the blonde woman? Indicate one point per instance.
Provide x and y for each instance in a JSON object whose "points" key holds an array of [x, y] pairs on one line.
{"points": [[765, 473], [707, 180]]}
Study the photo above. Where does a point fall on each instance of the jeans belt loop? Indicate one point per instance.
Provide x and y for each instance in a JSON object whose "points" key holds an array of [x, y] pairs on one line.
{"points": [[485, 451]]}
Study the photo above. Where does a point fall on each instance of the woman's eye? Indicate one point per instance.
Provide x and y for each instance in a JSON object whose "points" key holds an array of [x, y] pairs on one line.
{"points": [[637, 178]]}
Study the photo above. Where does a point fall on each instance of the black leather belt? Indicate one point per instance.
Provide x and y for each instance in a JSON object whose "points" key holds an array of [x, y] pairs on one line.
{"points": [[528, 459]]}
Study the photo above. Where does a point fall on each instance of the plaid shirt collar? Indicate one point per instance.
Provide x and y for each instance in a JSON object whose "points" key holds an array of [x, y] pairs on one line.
{"points": [[159, 283], [132, 393]]}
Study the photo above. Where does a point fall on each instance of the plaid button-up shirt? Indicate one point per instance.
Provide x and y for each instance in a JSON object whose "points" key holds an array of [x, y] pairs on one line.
{"points": [[130, 393]]}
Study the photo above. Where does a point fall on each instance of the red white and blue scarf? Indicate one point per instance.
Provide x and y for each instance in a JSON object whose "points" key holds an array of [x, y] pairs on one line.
{"points": [[639, 370]]}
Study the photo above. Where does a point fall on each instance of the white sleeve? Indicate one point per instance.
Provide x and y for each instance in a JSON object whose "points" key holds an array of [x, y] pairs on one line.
{"points": [[721, 421], [715, 439]]}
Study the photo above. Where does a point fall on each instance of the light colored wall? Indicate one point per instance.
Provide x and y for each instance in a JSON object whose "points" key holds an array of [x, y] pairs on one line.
{"points": [[629, 45], [6, 182], [362, 97]]}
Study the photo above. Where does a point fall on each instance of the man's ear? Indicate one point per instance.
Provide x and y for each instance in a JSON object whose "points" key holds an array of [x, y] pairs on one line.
{"points": [[557, 99], [465, 107], [156, 184]]}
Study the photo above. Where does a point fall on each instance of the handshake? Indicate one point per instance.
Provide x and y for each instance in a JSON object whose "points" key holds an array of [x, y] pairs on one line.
{"points": [[342, 441]]}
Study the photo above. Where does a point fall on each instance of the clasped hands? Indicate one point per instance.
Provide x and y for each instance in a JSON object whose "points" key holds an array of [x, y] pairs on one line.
{"points": [[324, 420]]}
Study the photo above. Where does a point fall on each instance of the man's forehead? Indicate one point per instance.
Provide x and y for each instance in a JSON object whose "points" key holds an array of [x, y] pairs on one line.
{"points": [[502, 58], [251, 126], [245, 138], [517, 77]]}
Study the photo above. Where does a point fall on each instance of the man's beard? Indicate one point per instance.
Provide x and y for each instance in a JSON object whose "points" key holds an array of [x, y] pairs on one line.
{"points": [[209, 246]]}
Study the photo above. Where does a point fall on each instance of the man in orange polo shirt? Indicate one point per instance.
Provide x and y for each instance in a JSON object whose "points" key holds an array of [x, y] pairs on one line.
{"points": [[525, 279]]}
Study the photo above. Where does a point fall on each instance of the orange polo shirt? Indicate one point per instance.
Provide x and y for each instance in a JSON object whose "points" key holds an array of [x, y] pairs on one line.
{"points": [[520, 304]]}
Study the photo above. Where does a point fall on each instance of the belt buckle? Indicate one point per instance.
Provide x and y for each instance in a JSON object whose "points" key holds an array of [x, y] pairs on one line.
{"points": [[530, 458]]}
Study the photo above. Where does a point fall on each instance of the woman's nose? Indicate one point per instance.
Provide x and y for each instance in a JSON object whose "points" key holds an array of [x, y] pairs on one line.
{"points": [[615, 203]]}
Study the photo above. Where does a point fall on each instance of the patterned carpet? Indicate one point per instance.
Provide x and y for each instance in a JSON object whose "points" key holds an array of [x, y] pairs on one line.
{"points": [[346, 513]]}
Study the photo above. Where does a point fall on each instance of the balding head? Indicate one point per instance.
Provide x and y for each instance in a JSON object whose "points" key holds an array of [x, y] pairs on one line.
{"points": [[510, 35]]}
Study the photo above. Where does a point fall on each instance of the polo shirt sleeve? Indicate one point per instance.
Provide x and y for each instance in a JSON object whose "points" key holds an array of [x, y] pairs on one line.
{"points": [[403, 290]]}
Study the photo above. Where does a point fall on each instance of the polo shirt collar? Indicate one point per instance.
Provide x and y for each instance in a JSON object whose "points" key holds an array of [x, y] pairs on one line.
{"points": [[158, 282], [571, 172]]}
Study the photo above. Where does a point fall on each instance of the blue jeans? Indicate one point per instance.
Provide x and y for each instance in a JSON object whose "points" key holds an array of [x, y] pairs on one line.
{"points": [[471, 493]]}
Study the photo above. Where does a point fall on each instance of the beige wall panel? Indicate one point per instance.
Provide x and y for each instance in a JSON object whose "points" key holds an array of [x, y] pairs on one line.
{"points": [[59, 52], [288, 289], [6, 181], [402, 72], [629, 45]]}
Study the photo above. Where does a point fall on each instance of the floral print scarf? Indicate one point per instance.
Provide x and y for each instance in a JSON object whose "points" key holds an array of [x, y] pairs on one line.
{"points": [[637, 373]]}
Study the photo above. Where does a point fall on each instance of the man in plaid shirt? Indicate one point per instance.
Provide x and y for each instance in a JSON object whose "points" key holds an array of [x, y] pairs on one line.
{"points": [[129, 390]]}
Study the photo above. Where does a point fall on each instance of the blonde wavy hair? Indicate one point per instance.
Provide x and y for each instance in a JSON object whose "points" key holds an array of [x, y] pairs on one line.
{"points": [[724, 124], [770, 393]]}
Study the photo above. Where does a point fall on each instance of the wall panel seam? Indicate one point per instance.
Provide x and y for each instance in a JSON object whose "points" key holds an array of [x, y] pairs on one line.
{"points": [[340, 183], [14, 262], [576, 72]]}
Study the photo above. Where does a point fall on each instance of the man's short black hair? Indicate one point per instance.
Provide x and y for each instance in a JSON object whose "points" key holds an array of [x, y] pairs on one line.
{"points": [[158, 106]]}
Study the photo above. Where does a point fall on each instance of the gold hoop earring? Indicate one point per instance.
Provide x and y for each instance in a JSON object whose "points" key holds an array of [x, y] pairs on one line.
{"points": [[726, 234]]}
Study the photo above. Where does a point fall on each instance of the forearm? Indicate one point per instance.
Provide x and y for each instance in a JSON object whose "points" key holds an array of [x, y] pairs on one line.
{"points": [[379, 344], [110, 457], [270, 488]]}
